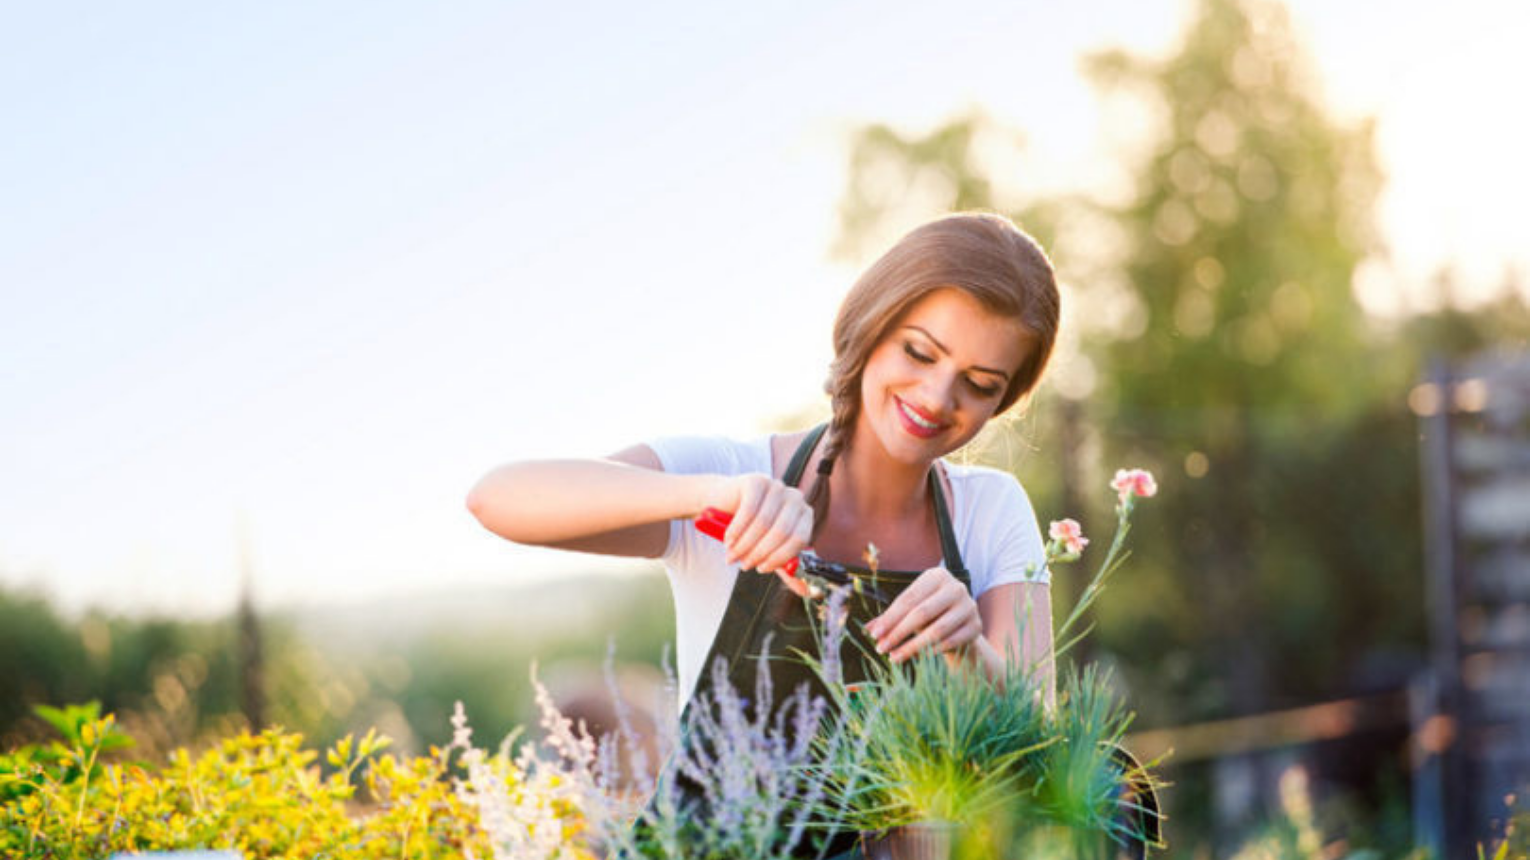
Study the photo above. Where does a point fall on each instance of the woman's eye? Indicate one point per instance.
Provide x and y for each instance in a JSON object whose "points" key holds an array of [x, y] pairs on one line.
{"points": [[917, 355], [983, 390]]}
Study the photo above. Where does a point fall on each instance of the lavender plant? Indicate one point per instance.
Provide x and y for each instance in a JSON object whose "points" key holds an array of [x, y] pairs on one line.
{"points": [[757, 784], [736, 781]]}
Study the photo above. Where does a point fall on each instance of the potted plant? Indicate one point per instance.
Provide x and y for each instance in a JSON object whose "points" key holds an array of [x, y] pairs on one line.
{"points": [[950, 762], [942, 752]]}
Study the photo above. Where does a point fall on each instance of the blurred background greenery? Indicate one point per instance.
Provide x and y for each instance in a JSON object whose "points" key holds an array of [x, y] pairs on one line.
{"points": [[1214, 336]]}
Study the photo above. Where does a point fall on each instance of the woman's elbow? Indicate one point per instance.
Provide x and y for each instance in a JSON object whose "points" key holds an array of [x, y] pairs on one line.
{"points": [[477, 503], [484, 503]]}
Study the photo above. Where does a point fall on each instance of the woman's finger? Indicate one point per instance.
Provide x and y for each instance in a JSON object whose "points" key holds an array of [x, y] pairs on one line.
{"points": [[919, 615], [750, 492], [898, 608], [934, 635], [787, 535], [776, 532], [794, 539], [924, 624], [964, 635], [954, 645], [754, 541], [750, 522], [898, 621]]}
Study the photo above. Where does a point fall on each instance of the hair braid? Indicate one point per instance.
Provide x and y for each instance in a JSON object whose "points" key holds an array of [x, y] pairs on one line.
{"points": [[844, 399]]}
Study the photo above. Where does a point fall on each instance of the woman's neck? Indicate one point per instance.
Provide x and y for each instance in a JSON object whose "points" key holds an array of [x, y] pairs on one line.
{"points": [[876, 500], [877, 488]]}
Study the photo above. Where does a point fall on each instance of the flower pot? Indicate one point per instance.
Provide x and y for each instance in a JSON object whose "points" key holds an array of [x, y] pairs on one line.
{"points": [[922, 840]]}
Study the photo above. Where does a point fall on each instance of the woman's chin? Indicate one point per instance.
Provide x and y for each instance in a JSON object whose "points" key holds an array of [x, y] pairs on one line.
{"points": [[912, 446], [912, 449]]}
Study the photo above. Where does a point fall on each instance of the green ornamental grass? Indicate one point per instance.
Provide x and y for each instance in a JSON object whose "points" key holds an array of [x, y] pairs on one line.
{"points": [[941, 742]]}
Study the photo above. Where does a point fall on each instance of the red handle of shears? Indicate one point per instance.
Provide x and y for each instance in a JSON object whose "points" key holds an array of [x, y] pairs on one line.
{"points": [[714, 523]]}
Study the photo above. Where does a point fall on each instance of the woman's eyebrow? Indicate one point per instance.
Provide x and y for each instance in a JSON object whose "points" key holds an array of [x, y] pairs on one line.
{"points": [[942, 348]]}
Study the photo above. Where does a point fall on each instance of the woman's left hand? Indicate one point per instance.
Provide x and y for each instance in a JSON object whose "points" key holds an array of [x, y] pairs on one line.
{"points": [[935, 611]]}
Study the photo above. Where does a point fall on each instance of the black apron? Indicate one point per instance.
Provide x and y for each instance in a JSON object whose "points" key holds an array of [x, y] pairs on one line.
{"points": [[763, 614]]}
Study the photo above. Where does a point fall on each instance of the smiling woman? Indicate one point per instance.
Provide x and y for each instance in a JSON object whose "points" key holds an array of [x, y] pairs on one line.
{"points": [[952, 326]]}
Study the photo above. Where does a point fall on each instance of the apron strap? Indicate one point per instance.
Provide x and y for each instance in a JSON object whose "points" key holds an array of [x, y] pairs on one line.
{"points": [[948, 546], [798, 464], [949, 550]]}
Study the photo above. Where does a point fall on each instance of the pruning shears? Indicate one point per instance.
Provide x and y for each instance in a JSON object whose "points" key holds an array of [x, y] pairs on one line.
{"points": [[714, 523]]}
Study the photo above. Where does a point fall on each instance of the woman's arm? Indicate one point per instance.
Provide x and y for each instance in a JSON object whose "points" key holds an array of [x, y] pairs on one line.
{"points": [[618, 506], [622, 505], [1017, 624]]}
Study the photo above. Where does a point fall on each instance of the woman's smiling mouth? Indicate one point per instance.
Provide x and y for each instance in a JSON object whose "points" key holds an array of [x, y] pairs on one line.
{"points": [[915, 422]]}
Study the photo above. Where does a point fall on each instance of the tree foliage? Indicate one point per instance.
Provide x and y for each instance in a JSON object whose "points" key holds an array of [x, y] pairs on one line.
{"points": [[1251, 365], [176, 682]]}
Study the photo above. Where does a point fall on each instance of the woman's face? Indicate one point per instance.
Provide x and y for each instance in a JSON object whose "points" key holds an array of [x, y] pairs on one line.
{"points": [[938, 376]]}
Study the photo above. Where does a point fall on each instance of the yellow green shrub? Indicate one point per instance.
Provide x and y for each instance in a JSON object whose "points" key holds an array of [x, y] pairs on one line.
{"points": [[261, 794]]}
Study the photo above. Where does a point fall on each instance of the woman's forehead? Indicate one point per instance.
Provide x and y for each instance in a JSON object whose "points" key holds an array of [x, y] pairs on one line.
{"points": [[966, 328]]}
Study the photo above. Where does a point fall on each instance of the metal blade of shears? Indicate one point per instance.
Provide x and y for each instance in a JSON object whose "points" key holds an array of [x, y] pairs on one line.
{"points": [[714, 523]]}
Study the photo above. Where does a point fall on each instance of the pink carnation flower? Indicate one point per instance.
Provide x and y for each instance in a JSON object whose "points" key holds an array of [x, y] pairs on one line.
{"points": [[1070, 533], [1134, 482]]}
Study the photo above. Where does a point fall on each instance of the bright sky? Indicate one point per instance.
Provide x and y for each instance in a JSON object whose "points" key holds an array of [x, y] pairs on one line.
{"points": [[301, 272]]}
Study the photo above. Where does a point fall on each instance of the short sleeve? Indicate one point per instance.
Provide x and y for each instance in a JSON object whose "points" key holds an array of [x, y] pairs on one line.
{"points": [[705, 455], [1019, 553], [996, 526]]}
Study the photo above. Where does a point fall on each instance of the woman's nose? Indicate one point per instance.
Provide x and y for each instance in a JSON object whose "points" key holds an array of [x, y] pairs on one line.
{"points": [[940, 392]]}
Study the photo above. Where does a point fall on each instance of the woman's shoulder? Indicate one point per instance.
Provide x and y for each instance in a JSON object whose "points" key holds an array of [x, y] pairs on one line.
{"points": [[783, 446], [767, 454], [984, 486], [712, 454], [996, 524], [979, 476]]}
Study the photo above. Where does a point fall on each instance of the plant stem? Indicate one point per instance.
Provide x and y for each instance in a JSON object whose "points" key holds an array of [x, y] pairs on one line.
{"points": [[1113, 559]]}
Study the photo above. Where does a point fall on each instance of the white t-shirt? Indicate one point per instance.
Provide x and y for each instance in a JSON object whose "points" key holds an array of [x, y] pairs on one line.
{"points": [[991, 519]]}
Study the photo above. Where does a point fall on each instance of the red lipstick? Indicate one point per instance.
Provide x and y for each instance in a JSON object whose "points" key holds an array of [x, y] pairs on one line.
{"points": [[909, 423]]}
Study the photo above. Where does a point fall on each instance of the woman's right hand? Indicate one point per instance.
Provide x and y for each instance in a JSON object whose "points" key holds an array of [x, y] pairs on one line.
{"points": [[772, 523]]}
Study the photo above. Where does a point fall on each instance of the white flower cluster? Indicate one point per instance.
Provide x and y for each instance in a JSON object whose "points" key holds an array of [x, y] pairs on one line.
{"points": [[522, 804]]}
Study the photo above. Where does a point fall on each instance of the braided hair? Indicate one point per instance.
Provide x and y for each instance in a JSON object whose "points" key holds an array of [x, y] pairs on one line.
{"points": [[981, 254]]}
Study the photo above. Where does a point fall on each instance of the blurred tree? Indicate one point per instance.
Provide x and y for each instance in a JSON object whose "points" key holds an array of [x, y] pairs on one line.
{"points": [[1456, 331], [41, 659], [170, 680], [174, 682], [1250, 365], [892, 172]]}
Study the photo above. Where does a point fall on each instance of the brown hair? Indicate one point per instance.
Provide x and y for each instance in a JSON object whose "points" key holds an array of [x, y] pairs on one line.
{"points": [[985, 256]]}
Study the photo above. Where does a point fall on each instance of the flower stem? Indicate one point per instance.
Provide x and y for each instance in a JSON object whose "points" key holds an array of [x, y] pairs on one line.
{"points": [[1113, 560]]}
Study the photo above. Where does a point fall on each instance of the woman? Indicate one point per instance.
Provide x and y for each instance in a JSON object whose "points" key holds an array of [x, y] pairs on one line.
{"points": [[949, 328]]}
